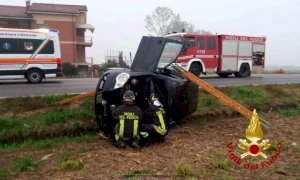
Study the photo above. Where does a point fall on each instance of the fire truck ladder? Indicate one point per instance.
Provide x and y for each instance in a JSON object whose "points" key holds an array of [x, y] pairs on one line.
{"points": [[221, 96]]}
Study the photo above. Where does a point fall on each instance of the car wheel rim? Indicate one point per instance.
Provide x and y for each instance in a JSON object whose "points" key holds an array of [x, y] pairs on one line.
{"points": [[34, 76]]}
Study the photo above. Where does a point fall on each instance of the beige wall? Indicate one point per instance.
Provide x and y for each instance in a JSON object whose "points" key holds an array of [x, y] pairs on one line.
{"points": [[40, 18], [81, 18]]}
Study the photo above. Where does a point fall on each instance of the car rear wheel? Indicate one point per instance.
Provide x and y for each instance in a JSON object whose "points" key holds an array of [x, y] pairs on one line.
{"points": [[244, 71], [34, 76], [196, 69]]}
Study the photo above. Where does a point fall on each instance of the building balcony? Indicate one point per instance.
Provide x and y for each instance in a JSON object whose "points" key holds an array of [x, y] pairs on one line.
{"points": [[85, 41]]}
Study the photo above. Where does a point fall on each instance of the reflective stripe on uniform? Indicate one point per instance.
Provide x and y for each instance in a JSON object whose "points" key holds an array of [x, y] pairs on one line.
{"points": [[144, 134], [121, 130], [135, 127], [161, 120], [117, 137], [159, 130]]}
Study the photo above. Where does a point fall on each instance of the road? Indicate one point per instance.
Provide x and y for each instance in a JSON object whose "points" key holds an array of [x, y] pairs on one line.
{"points": [[20, 88]]}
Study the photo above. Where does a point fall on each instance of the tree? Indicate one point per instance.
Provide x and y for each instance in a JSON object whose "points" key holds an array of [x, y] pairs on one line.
{"points": [[177, 25], [163, 20], [108, 64], [159, 21]]}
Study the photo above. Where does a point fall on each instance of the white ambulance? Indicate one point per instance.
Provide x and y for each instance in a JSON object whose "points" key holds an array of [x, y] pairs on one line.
{"points": [[31, 54]]}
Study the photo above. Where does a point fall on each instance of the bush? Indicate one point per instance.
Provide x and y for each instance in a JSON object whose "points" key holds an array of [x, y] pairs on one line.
{"points": [[24, 163], [69, 69], [279, 71]]}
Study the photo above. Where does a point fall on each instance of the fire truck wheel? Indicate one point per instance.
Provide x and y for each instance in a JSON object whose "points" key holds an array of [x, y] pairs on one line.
{"points": [[196, 69], [224, 75], [34, 76], [244, 71]]}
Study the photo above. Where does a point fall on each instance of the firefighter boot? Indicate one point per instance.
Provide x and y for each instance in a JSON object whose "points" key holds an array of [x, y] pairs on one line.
{"points": [[120, 144], [135, 143]]}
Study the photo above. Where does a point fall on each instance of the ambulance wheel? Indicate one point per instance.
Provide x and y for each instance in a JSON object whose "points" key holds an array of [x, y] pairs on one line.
{"points": [[224, 75], [196, 69], [34, 76], [244, 71]]}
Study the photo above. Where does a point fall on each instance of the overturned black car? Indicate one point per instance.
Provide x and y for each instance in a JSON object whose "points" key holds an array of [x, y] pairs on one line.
{"points": [[150, 72]]}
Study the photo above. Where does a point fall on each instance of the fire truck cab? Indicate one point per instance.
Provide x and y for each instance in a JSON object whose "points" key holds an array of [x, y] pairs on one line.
{"points": [[221, 54]]}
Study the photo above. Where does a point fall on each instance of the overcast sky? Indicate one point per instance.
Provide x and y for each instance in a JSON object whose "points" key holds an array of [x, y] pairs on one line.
{"points": [[121, 24]]}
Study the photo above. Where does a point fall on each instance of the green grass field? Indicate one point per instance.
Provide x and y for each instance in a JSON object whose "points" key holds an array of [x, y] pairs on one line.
{"points": [[39, 123]]}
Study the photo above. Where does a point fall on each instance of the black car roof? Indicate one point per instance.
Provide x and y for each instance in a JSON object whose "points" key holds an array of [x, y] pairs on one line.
{"points": [[149, 52]]}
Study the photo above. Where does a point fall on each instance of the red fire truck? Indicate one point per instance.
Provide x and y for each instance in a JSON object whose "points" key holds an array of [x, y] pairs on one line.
{"points": [[222, 54]]}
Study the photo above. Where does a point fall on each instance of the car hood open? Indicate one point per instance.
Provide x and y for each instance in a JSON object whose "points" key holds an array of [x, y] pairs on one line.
{"points": [[150, 51]]}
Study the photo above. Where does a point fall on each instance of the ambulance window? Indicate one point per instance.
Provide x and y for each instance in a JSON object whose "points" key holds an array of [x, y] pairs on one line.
{"points": [[211, 43], [48, 49], [190, 42], [28, 46], [201, 43], [8, 46]]}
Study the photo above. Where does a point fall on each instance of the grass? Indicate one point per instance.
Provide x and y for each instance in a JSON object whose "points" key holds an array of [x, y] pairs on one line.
{"points": [[45, 143], [70, 165], [204, 172], [68, 155], [82, 150], [139, 173], [263, 98], [24, 163], [3, 174], [182, 168], [290, 112], [225, 164], [42, 124], [53, 99]]}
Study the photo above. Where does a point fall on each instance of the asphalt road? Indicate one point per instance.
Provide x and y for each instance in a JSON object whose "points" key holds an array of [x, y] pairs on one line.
{"points": [[19, 88]]}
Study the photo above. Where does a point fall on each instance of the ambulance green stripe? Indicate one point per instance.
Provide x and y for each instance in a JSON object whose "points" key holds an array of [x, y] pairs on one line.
{"points": [[38, 49]]}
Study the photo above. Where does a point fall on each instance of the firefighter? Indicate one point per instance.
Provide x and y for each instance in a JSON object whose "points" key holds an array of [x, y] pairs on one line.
{"points": [[154, 127], [128, 116]]}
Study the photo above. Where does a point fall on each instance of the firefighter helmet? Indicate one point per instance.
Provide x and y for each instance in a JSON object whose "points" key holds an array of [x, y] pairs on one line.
{"points": [[154, 100], [129, 96]]}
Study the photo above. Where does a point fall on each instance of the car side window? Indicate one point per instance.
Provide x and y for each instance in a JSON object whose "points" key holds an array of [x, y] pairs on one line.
{"points": [[201, 43], [211, 43]]}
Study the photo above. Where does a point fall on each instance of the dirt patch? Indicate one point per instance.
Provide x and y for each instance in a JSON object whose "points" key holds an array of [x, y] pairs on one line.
{"points": [[200, 146]]}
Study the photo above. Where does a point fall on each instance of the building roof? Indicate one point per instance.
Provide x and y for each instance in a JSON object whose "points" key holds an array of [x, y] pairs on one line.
{"points": [[13, 11], [56, 8]]}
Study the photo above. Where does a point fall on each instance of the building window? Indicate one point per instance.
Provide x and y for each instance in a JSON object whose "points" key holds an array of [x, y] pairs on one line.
{"points": [[201, 43], [211, 43]]}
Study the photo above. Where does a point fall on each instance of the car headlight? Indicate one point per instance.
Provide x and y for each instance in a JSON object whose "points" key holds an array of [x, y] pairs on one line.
{"points": [[121, 79]]}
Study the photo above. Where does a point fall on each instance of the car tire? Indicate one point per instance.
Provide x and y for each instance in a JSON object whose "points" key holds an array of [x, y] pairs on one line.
{"points": [[244, 71], [224, 75], [196, 69], [34, 76]]}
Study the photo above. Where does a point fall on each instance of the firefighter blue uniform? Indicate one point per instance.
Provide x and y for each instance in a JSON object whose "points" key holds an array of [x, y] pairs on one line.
{"points": [[128, 116]]}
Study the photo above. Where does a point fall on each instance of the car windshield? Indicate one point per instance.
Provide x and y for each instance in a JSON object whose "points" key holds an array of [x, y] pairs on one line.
{"points": [[169, 54]]}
